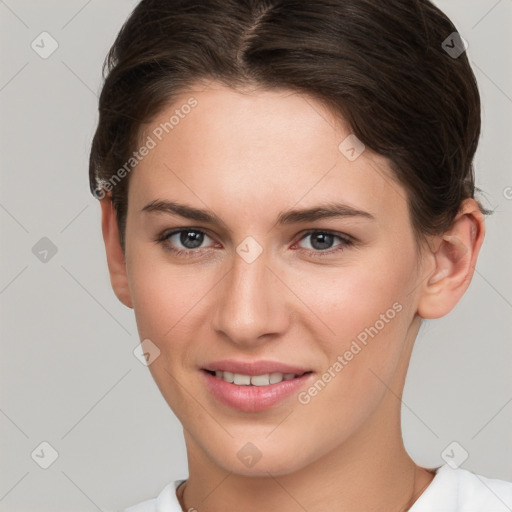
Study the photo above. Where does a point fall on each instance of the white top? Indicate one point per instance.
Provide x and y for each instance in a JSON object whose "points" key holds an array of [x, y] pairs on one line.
{"points": [[451, 490]]}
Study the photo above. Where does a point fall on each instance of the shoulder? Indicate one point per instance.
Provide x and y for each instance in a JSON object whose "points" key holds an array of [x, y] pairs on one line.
{"points": [[460, 490], [166, 501]]}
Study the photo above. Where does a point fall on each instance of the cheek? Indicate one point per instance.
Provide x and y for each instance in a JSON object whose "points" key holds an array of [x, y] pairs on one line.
{"points": [[154, 313], [163, 294], [165, 307], [370, 323], [166, 302], [362, 314], [351, 298]]}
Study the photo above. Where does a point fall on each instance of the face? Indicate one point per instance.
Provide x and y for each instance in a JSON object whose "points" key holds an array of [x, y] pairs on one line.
{"points": [[226, 274]]}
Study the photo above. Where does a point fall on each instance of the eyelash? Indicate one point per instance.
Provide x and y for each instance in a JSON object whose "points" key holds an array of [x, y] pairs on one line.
{"points": [[187, 253]]}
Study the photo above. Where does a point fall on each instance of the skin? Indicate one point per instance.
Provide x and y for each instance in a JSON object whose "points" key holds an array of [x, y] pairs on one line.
{"points": [[247, 156]]}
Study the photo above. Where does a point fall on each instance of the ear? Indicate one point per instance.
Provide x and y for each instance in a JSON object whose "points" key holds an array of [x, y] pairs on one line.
{"points": [[451, 262], [115, 257]]}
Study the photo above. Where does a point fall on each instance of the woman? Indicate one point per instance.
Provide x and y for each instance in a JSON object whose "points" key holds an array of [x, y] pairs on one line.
{"points": [[287, 190]]}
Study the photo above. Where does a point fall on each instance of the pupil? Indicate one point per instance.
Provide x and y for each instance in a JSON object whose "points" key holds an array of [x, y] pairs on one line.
{"points": [[195, 237], [325, 240]]}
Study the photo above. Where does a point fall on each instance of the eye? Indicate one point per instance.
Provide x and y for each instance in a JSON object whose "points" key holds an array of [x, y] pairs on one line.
{"points": [[183, 241], [189, 241], [324, 241]]}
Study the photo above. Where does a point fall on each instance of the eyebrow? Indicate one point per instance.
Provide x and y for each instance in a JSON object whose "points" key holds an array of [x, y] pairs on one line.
{"points": [[293, 216]]}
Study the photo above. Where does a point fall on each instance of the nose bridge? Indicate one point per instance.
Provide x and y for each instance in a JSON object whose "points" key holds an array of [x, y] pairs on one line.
{"points": [[248, 305]]}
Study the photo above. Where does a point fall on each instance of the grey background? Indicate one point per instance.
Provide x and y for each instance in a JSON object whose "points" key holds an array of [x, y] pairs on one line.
{"points": [[68, 373]]}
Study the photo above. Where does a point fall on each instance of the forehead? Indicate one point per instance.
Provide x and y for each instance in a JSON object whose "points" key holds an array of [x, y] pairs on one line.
{"points": [[264, 150]]}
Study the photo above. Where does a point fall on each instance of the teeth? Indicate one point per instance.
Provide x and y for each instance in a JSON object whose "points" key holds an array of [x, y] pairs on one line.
{"points": [[260, 380], [228, 376], [242, 380], [276, 377], [255, 380]]}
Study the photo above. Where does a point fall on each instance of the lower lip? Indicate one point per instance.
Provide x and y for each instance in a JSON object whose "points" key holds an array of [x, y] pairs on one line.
{"points": [[253, 398]]}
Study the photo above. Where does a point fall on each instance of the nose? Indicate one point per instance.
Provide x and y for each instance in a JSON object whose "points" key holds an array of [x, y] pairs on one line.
{"points": [[250, 305]]}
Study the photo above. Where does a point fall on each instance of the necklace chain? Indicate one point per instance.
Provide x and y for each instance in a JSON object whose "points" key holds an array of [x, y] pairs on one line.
{"points": [[180, 489]]}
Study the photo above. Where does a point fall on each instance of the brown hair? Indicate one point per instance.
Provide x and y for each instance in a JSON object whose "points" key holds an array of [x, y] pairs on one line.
{"points": [[383, 66]]}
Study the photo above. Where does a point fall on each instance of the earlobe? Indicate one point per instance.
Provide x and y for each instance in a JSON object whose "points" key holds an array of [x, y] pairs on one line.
{"points": [[115, 257], [454, 261]]}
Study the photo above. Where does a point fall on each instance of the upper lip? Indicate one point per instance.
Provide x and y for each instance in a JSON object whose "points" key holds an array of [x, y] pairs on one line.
{"points": [[253, 368]]}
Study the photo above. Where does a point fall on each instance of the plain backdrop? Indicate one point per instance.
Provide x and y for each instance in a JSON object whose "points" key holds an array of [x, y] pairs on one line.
{"points": [[68, 374]]}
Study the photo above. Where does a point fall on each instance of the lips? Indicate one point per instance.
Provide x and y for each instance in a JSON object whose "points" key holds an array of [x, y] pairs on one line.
{"points": [[254, 386], [254, 368]]}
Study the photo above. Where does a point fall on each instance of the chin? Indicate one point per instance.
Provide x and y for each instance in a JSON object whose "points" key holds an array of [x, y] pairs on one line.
{"points": [[259, 459]]}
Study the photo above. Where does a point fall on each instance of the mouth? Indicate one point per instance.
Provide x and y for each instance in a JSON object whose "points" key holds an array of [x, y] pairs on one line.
{"points": [[254, 390]]}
